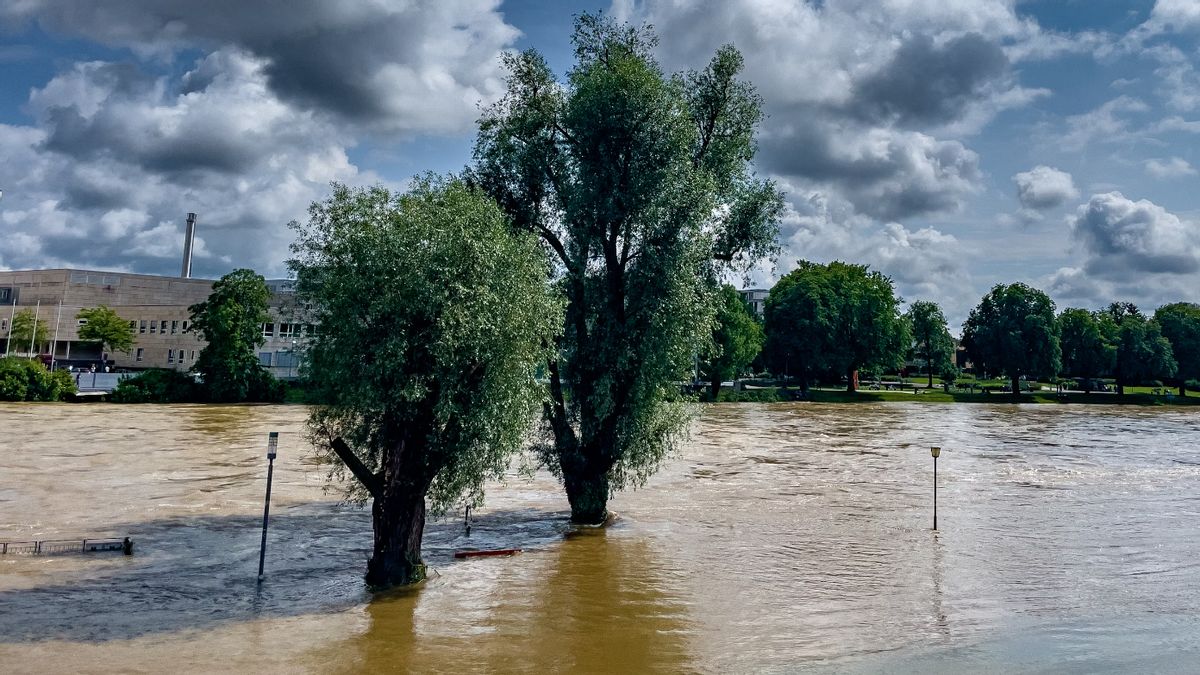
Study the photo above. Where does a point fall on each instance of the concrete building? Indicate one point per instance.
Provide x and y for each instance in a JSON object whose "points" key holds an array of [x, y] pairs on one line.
{"points": [[756, 298], [156, 308]]}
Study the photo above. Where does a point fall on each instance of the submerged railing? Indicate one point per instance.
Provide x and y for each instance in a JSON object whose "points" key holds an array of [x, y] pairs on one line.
{"points": [[65, 546]]}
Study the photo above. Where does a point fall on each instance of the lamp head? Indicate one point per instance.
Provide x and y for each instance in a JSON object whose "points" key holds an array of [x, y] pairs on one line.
{"points": [[272, 443], [935, 452]]}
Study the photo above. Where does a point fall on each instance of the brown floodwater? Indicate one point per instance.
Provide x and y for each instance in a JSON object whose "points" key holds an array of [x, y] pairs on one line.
{"points": [[790, 537]]}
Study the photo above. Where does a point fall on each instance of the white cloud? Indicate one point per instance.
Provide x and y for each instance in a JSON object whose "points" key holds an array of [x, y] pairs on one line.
{"points": [[1043, 188], [1173, 167], [1122, 237]]}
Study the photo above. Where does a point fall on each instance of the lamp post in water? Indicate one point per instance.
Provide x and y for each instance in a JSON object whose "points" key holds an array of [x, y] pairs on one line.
{"points": [[935, 451], [272, 443]]}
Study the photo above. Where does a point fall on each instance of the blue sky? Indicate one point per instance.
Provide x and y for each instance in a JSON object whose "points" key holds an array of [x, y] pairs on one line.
{"points": [[953, 145]]}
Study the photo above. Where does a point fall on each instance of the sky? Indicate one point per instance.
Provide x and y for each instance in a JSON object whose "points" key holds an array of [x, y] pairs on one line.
{"points": [[951, 144]]}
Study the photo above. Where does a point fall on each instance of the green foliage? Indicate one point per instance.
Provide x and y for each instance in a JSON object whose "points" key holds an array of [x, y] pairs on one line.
{"points": [[1013, 330], [230, 320], [1180, 323], [641, 189], [737, 338], [104, 326], [1085, 352], [27, 329], [931, 341], [157, 386], [1141, 351], [434, 320], [29, 380], [837, 317]]}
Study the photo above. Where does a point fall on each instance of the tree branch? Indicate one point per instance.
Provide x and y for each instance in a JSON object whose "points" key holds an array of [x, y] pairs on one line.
{"points": [[373, 482]]}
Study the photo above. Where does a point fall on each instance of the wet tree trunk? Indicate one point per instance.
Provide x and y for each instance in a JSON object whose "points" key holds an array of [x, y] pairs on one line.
{"points": [[399, 523], [587, 491]]}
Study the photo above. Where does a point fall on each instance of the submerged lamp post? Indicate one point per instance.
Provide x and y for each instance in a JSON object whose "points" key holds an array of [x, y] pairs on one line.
{"points": [[935, 451], [272, 443]]}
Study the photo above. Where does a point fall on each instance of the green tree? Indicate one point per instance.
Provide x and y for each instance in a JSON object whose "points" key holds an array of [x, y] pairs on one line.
{"points": [[24, 379], [1141, 351], [230, 321], [839, 317], [104, 326], [737, 339], [27, 329], [641, 189], [931, 341], [1013, 330], [1180, 323], [1085, 351], [434, 318]]}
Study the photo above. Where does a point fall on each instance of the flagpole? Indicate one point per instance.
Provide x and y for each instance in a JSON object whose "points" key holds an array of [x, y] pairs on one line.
{"points": [[11, 316], [33, 333]]}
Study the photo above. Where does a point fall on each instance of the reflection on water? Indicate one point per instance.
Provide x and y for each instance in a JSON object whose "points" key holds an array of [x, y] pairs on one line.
{"points": [[786, 536]]}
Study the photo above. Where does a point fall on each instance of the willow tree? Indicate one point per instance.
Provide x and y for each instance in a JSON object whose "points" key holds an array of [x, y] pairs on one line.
{"points": [[639, 185], [434, 319]]}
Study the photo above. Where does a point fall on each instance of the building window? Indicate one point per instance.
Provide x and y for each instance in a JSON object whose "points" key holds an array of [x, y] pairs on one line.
{"points": [[142, 326], [185, 326], [174, 327], [170, 356], [3, 324], [193, 354], [162, 328], [268, 330], [153, 327], [264, 359], [132, 325], [140, 352]]}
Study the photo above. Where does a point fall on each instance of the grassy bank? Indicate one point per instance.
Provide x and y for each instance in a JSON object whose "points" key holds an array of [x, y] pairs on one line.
{"points": [[1137, 397]]}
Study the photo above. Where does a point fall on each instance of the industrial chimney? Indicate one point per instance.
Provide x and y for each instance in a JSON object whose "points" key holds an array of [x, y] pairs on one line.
{"points": [[188, 236]]}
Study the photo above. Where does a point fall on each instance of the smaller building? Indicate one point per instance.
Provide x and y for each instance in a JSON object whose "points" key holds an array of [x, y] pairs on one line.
{"points": [[756, 298]]}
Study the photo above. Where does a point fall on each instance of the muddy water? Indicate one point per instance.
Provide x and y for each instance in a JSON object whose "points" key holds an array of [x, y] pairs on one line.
{"points": [[789, 537]]}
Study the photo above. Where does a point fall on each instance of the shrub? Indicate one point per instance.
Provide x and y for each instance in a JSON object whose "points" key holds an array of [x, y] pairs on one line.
{"points": [[26, 380], [1194, 385], [157, 386]]}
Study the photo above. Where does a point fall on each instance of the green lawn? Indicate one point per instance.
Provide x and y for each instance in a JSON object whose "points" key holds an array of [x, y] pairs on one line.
{"points": [[1133, 396]]}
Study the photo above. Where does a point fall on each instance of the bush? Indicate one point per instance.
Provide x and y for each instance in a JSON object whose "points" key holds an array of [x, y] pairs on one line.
{"points": [[747, 396], [157, 386], [26, 380], [1194, 385]]}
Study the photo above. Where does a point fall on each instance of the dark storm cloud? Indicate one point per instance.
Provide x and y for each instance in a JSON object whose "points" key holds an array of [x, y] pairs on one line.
{"points": [[402, 66], [927, 84]]}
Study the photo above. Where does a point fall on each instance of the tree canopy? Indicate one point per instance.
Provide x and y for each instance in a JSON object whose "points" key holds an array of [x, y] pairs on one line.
{"points": [[737, 339], [434, 321], [838, 317], [1013, 330], [230, 320], [1140, 350], [1180, 324], [1085, 351], [27, 330], [931, 341], [641, 189], [104, 326]]}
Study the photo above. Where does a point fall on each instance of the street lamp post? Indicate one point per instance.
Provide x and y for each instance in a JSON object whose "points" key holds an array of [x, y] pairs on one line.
{"points": [[935, 451], [272, 444]]}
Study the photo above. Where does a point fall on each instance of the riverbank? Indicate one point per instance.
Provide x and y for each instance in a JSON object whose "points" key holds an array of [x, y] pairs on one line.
{"points": [[919, 395]]}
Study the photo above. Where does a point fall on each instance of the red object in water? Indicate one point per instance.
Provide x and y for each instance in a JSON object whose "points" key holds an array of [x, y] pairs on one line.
{"points": [[481, 554]]}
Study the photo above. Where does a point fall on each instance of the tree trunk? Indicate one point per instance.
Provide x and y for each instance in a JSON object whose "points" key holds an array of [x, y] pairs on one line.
{"points": [[850, 381], [587, 492], [1120, 387], [1182, 388], [1016, 385], [715, 387], [399, 522], [929, 367]]}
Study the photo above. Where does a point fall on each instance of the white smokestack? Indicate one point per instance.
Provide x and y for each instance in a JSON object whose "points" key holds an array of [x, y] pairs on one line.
{"points": [[188, 236]]}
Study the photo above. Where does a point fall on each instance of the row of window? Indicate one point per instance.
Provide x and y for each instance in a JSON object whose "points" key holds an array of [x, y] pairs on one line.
{"points": [[288, 330], [172, 355], [158, 326]]}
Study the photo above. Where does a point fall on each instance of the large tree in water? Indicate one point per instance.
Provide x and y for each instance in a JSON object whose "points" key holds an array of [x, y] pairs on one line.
{"points": [[640, 186], [434, 319]]}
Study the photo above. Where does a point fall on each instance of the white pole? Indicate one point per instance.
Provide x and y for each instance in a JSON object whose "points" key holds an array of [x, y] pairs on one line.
{"points": [[33, 333], [11, 316], [54, 347]]}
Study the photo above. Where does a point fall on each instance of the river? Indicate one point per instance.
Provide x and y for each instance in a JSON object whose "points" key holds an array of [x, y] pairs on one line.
{"points": [[789, 537]]}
